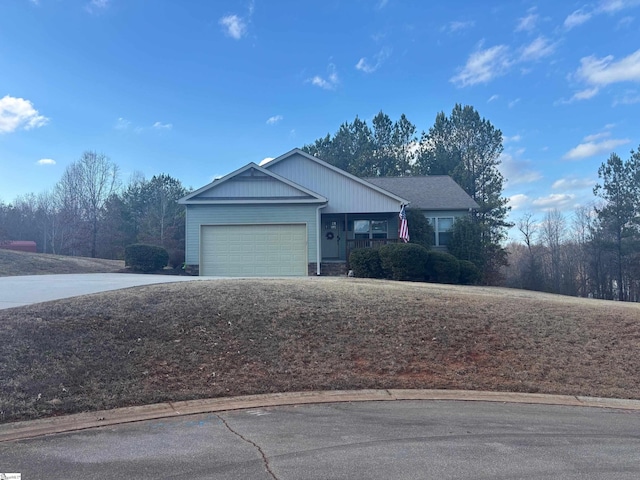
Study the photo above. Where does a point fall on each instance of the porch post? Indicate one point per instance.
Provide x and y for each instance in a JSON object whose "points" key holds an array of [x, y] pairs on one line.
{"points": [[318, 237]]}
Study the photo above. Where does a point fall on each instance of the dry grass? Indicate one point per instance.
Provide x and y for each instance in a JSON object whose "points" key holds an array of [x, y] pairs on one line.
{"points": [[232, 337], [23, 263]]}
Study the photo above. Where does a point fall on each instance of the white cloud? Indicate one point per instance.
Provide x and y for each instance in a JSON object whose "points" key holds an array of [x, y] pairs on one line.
{"points": [[560, 201], [625, 22], [266, 160], [366, 67], [483, 66], [493, 98], [596, 136], [46, 161], [96, 6], [162, 126], [519, 200], [573, 183], [234, 26], [456, 26], [539, 48], [527, 23], [611, 7], [516, 171], [585, 94], [513, 138], [604, 71], [578, 17], [274, 120], [630, 97], [591, 148], [329, 83], [614, 6], [513, 103], [122, 124], [18, 113]]}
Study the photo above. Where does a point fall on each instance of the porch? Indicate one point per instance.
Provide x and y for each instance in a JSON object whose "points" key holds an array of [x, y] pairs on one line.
{"points": [[343, 233]]}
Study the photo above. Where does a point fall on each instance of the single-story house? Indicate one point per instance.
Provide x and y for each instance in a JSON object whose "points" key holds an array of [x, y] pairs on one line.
{"points": [[297, 215]]}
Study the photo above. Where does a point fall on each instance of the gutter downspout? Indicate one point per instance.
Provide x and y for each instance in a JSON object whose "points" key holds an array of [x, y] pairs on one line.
{"points": [[318, 236]]}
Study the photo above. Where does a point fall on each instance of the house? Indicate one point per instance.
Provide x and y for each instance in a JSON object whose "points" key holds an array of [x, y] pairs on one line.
{"points": [[296, 215], [439, 197]]}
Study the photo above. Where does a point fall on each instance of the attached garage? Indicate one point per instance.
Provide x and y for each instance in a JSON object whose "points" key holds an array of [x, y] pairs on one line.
{"points": [[253, 250]]}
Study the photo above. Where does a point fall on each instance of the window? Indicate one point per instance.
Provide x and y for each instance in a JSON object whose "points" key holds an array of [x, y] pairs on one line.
{"points": [[365, 229], [442, 230]]}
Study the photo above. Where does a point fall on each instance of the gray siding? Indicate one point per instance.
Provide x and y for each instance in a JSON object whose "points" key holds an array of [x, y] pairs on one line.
{"points": [[198, 215], [345, 195], [252, 187]]}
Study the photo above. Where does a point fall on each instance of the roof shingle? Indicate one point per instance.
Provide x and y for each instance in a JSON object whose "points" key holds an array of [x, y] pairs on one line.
{"points": [[436, 192]]}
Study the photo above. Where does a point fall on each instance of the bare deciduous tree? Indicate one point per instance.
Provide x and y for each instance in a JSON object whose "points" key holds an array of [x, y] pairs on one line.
{"points": [[84, 189]]}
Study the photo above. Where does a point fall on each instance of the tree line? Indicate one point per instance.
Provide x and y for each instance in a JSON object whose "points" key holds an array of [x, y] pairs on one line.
{"points": [[596, 252], [90, 213]]}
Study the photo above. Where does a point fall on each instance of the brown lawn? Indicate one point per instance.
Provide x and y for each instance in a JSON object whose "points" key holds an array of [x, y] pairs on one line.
{"points": [[233, 337], [23, 263]]}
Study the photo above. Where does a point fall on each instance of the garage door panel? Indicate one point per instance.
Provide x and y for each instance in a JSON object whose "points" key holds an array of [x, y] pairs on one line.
{"points": [[254, 250]]}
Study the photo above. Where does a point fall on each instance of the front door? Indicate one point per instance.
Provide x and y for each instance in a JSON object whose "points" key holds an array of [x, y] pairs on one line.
{"points": [[333, 238]]}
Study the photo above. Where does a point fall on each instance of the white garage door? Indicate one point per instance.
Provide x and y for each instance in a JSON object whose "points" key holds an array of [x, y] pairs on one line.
{"points": [[253, 250]]}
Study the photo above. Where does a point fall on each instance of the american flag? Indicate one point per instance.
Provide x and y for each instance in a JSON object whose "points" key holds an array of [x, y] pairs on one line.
{"points": [[403, 229]]}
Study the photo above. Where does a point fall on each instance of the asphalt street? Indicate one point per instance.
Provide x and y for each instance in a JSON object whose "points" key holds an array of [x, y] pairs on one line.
{"points": [[368, 440], [28, 289]]}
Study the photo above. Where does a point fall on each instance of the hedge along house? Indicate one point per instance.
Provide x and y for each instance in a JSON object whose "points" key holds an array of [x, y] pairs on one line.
{"points": [[440, 199], [295, 215]]}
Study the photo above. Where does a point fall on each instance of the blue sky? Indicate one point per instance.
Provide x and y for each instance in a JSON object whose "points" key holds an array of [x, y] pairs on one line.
{"points": [[196, 89]]}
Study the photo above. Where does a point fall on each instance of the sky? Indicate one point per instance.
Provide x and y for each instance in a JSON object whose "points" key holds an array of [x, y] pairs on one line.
{"points": [[196, 89]]}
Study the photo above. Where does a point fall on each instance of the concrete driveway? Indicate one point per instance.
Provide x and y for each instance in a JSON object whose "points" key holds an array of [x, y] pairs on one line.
{"points": [[373, 440], [29, 289]]}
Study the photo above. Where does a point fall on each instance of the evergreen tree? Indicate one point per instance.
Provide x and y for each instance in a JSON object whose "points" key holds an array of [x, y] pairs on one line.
{"points": [[618, 217], [468, 148]]}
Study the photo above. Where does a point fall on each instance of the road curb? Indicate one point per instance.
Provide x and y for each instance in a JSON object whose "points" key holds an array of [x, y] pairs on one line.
{"points": [[82, 421]]}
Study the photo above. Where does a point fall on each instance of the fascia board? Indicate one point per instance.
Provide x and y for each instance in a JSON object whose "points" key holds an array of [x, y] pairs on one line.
{"points": [[189, 199]]}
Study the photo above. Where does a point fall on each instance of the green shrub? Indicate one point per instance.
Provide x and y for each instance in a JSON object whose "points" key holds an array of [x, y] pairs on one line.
{"points": [[421, 231], [365, 263], [442, 268], [145, 258], [469, 273], [404, 261]]}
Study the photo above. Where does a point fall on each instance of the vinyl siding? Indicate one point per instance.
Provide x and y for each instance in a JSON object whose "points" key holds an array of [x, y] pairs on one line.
{"points": [[253, 187], [198, 215], [345, 195]]}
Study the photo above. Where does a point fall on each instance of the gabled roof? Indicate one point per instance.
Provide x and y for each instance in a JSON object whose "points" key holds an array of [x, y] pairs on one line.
{"points": [[296, 151], [436, 192], [289, 192]]}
